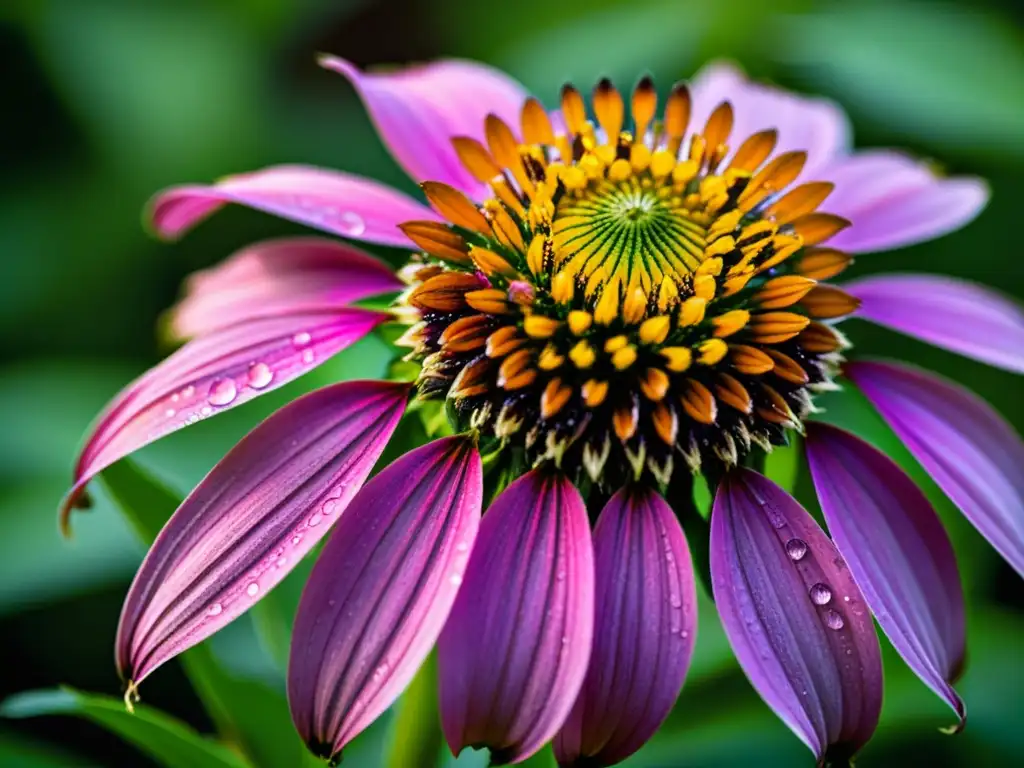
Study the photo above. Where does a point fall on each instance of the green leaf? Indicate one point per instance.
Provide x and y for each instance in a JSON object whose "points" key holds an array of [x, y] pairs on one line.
{"points": [[146, 502], [950, 74], [163, 738], [782, 465], [415, 737], [18, 751]]}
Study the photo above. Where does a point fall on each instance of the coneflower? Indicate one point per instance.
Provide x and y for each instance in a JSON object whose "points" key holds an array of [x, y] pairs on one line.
{"points": [[607, 302]]}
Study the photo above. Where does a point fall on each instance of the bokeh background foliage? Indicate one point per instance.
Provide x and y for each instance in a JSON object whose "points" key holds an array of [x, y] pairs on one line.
{"points": [[106, 101]]}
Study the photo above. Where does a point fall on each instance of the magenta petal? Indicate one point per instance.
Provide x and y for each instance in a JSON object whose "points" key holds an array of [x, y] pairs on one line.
{"points": [[331, 201], [816, 126], [794, 616], [898, 552], [514, 652], [960, 316], [278, 277], [251, 520], [381, 591], [418, 110], [211, 374], [646, 624], [895, 201], [973, 455]]}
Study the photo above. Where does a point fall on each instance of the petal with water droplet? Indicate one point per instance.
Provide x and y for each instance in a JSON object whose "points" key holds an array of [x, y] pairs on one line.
{"points": [[278, 277], [514, 653], [815, 663], [331, 201], [898, 552], [966, 318], [646, 625], [211, 374], [381, 591], [419, 109], [973, 455], [221, 550]]}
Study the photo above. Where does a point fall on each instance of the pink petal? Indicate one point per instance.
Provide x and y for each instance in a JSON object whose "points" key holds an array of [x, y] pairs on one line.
{"points": [[211, 374], [330, 201], [279, 277], [973, 455], [514, 652], [815, 125], [646, 622], [954, 314], [253, 518], [381, 591], [898, 552], [794, 616], [895, 201], [418, 110]]}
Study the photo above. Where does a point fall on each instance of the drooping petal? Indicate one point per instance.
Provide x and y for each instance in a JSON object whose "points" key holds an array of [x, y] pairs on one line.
{"points": [[211, 374], [893, 201], [794, 616], [645, 626], [253, 518], [514, 653], [418, 110], [330, 201], [973, 455], [381, 591], [278, 277], [960, 316], [814, 125], [898, 552]]}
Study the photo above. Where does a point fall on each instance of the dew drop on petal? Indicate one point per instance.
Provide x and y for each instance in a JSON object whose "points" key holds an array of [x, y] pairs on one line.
{"points": [[223, 392], [301, 339], [314, 519], [354, 224], [820, 594], [260, 375], [188, 391], [461, 546], [296, 539], [253, 589], [796, 549], [205, 410], [169, 413], [308, 357], [214, 610], [834, 620], [456, 579]]}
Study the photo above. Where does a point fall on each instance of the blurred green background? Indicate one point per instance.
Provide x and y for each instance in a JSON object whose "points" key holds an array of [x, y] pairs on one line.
{"points": [[106, 101]]}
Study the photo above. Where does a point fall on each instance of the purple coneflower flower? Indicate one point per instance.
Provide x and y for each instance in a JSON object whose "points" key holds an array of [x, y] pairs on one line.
{"points": [[604, 309]]}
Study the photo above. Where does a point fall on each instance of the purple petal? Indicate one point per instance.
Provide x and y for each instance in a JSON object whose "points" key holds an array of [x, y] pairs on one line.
{"points": [[514, 653], [815, 125], [330, 201], [646, 620], [960, 316], [381, 591], [973, 455], [253, 518], [418, 110], [279, 277], [210, 375], [895, 201], [794, 616], [898, 552]]}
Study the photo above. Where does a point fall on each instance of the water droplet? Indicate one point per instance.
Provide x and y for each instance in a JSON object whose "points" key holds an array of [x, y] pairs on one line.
{"points": [[675, 601], [456, 579], [314, 519], [796, 549], [846, 599], [308, 356], [328, 507], [214, 609], [684, 634], [461, 547], [205, 410], [169, 413], [834, 621], [301, 339], [260, 375], [282, 562], [223, 392], [560, 575], [188, 391], [253, 589], [175, 397], [353, 223], [380, 671], [821, 594], [296, 539]]}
